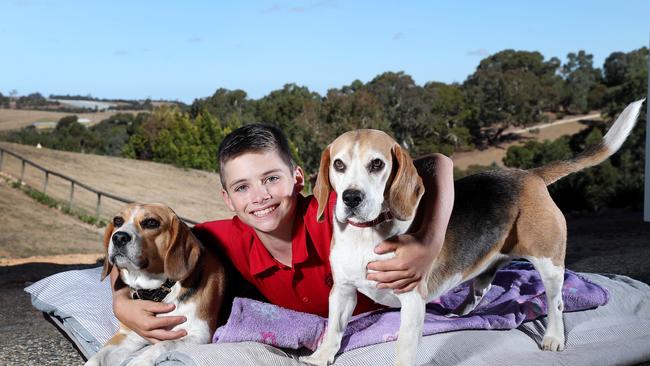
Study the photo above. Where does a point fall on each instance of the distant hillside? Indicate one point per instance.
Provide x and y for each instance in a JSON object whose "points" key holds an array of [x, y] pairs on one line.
{"points": [[192, 194], [567, 126], [14, 119]]}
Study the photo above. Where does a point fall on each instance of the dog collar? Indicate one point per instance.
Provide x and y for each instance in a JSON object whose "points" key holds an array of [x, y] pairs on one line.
{"points": [[157, 294], [384, 216]]}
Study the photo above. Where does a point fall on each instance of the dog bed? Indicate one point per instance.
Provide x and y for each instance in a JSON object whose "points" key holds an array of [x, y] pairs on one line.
{"points": [[617, 333]]}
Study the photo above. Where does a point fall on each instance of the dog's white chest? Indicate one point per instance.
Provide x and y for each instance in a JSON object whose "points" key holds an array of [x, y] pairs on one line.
{"points": [[349, 259]]}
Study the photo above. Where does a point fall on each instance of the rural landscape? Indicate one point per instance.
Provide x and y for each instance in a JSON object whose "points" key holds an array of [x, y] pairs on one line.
{"points": [[518, 109]]}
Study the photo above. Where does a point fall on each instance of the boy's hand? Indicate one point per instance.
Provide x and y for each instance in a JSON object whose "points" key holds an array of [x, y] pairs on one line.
{"points": [[412, 262], [140, 316]]}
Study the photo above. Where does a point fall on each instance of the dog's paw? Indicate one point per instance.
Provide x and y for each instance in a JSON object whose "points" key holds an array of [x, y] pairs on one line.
{"points": [[317, 361], [553, 343]]}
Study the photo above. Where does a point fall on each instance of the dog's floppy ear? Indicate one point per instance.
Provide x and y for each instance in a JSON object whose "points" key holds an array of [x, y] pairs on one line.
{"points": [[183, 251], [322, 187], [406, 187], [108, 233]]}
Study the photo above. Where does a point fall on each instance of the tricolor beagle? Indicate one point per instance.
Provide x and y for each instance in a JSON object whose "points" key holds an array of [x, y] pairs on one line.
{"points": [[497, 216], [160, 259]]}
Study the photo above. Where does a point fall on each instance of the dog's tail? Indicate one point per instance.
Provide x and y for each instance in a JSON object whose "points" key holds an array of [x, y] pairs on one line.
{"points": [[598, 153]]}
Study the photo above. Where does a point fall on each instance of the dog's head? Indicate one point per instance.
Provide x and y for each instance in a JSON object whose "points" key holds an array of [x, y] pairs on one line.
{"points": [[370, 172], [150, 242]]}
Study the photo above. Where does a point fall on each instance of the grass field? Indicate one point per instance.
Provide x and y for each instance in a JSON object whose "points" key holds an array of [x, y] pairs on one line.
{"points": [[13, 119]]}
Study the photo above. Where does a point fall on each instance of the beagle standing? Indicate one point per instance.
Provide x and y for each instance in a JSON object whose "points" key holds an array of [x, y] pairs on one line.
{"points": [[160, 259], [497, 216]]}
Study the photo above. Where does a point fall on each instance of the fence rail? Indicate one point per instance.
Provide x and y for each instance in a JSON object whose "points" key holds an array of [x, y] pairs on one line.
{"points": [[73, 183]]}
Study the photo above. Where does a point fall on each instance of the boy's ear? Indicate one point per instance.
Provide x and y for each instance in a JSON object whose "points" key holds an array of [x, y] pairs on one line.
{"points": [[322, 187], [227, 200], [298, 179]]}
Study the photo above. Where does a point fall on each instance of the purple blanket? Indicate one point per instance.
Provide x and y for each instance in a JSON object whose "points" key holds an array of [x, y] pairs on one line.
{"points": [[517, 295]]}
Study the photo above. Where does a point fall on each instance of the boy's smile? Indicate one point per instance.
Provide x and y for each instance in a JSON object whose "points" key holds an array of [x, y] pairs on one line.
{"points": [[261, 189]]}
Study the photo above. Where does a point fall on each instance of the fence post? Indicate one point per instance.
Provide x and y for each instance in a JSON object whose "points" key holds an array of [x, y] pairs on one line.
{"points": [[2, 158], [71, 193], [47, 176], [99, 199], [22, 171]]}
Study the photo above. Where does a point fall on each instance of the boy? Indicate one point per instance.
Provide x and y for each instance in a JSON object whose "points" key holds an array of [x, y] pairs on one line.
{"points": [[275, 242]]}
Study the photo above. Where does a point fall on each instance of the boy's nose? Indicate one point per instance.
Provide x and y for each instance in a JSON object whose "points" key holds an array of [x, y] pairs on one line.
{"points": [[262, 194]]}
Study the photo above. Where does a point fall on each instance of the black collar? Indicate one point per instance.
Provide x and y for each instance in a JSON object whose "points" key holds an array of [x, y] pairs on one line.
{"points": [[157, 294]]}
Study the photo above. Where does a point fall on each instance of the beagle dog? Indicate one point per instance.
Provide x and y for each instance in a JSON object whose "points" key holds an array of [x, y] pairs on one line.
{"points": [[497, 216], [160, 259]]}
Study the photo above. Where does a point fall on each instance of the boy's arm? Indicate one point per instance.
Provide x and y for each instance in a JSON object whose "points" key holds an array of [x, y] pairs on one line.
{"points": [[415, 252], [140, 315]]}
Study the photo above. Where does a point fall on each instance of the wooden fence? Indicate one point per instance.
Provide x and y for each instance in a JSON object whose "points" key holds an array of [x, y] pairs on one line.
{"points": [[73, 184]]}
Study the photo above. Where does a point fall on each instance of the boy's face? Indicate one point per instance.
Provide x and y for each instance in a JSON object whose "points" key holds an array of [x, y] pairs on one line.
{"points": [[261, 189]]}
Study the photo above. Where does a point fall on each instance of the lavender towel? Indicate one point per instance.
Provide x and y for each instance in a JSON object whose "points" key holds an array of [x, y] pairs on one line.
{"points": [[517, 295]]}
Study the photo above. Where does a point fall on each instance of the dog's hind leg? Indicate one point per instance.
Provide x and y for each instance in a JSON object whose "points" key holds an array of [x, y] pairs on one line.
{"points": [[410, 328], [553, 279], [342, 301], [478, 287]]}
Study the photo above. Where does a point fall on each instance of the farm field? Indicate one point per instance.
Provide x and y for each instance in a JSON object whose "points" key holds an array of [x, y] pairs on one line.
{"points": [[13, 119]]}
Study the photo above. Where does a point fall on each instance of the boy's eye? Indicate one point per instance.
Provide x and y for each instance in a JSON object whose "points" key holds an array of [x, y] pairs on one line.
{"points": [[241, 189], [273, 178]]}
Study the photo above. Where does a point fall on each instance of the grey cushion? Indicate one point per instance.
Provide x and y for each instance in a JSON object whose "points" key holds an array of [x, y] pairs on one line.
{"points": [[617, 333]]}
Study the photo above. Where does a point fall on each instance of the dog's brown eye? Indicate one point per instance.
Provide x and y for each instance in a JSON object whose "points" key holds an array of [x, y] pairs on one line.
{"points": [[118, 221], [339, 166], [150, 224], [376, 165]]}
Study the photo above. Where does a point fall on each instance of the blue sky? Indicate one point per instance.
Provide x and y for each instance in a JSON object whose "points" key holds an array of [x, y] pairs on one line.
{"points": [[181, 50]]}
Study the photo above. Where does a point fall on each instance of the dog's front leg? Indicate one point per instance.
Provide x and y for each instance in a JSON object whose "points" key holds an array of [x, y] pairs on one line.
{"points": [[196, 335], [410, 328], [117, 349], [342, 300]]}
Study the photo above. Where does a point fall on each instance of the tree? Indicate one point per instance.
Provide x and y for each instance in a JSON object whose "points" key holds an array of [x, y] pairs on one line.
{"points": [[581, 78], [404, 105], [626, 78], [223, 104], [510, 88], [4, 101]]}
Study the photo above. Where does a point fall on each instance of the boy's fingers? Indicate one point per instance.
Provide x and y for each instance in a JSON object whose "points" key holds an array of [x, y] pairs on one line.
{"points": [[165, 335], [408, 288], [158, 307], [388, 277], [165, 322], [394, 264], [385, 247], [399, 284]]}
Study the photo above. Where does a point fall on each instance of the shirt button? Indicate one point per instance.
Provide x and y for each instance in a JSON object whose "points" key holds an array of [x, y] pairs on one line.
{"points": [[305, 299]]}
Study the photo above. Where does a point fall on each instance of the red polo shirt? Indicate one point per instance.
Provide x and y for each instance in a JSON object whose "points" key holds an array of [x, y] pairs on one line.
{"points": [[305, 286]]}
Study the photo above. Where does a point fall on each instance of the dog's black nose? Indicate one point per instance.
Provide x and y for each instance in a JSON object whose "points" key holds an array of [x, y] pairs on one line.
{"points": [[352, 197], [121, 238]]}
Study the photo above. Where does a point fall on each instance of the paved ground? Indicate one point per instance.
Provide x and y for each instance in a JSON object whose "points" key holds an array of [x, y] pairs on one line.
{"points": [[26, 338], [615, 243]]}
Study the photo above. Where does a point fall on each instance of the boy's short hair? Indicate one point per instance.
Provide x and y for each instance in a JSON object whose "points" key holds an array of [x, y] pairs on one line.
{"points": [[254, 138]]}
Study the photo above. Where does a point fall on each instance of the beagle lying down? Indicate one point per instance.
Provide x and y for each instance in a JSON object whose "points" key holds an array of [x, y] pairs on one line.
{"points": [[160, 259], [497, 216]]}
